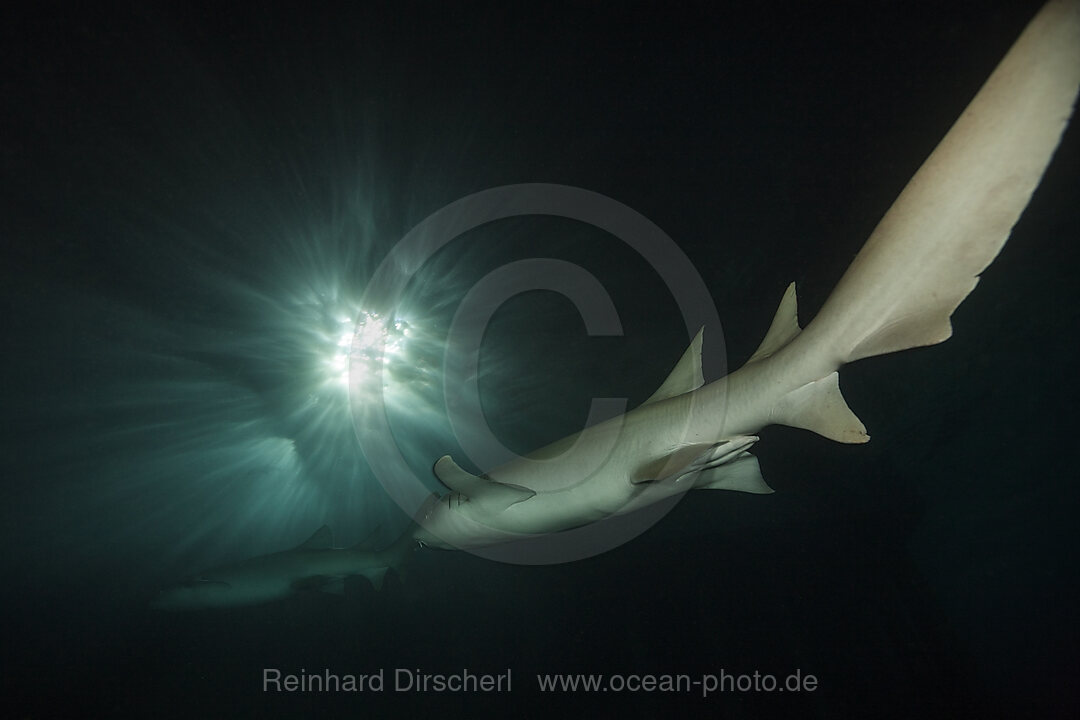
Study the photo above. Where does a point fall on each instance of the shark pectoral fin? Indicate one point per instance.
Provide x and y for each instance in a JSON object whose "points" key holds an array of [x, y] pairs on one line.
{"points": [[480, 489], [497, 497], [323, 539], [686, 376], [693, 458], [819, 406], [453, 477], [376, 575], [742, 474], [784, 328]]}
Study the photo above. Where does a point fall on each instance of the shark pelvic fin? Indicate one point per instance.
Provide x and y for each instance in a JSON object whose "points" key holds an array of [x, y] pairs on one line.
{"points": [[686, 376], [784, 328], [742, 474], [322, 539], [820, 407], [693, 458]]}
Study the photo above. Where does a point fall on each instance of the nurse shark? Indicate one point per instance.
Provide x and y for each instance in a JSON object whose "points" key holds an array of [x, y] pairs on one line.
{"points": [[312, 565], [917, 266]]}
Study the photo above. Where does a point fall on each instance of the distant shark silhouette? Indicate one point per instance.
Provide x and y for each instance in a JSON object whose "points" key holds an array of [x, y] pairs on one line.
{"points": [[313, 565], [918, 265]]}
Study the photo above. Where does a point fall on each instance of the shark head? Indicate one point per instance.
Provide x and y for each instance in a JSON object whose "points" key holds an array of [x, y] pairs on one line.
{"points": [[198, 592]]}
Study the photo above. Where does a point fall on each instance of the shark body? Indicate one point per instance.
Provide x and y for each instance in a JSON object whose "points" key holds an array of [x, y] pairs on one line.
{"points": [[313, 565], [918, 265]]}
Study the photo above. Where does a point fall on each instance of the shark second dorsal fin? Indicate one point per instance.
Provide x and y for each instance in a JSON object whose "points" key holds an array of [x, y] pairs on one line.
{"points": [[686, 376], [784, 328], [453, 477], [322, 539]]}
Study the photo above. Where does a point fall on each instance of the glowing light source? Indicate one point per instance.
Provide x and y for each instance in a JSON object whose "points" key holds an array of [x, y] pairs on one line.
{"points": [[363, 344]]}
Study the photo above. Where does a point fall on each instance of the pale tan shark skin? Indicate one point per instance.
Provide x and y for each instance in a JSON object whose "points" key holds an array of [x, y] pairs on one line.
{"points": [[918, 265]]}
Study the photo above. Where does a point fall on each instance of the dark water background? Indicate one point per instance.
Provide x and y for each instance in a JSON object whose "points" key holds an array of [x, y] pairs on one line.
{"points": [[191, 191]]}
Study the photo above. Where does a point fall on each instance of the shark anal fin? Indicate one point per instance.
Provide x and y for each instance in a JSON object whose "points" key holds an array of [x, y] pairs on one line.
{"points": [[820, 407], [693, 458], [322, 539], [784, 328], [742, 474], [686, 376]]}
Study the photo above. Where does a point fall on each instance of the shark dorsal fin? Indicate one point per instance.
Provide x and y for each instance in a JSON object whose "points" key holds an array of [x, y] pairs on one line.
{"points": [[686, 376], [453, 477], [322, 539], [494, 496], [784, 328]]}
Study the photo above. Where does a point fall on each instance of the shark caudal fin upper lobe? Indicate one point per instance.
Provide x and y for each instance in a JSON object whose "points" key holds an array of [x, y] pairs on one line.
{"points": [[955, 214], [947, 225]]}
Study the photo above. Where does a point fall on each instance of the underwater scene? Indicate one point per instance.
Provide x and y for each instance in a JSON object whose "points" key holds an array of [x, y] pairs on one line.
{"points": [[307, 310]]}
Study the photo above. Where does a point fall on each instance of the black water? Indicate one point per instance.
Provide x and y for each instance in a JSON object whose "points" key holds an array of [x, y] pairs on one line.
{"points": [[190, 193]]}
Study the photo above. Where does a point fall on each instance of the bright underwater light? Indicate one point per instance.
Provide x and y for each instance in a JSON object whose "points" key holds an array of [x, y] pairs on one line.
{"points": [[366, 348]]}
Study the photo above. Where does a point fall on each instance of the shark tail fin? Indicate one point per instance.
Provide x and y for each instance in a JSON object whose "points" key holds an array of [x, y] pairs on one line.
{"points": [[947, 225], [955, 214]]}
